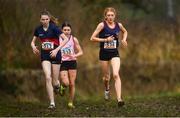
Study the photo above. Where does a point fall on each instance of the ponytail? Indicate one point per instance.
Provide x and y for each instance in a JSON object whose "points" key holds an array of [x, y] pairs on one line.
{"points": [[52, 18]]}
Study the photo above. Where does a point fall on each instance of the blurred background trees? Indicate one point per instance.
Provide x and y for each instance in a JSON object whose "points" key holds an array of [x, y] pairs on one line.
{"points": [[152, 56]]}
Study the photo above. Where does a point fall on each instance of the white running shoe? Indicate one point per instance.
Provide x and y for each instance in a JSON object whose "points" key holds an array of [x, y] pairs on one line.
{"points": [[52, 106], [106, 95]]}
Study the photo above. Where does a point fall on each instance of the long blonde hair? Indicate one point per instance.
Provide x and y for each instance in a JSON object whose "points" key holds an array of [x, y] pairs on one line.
{"points": [[107, 10], [52, 18]]}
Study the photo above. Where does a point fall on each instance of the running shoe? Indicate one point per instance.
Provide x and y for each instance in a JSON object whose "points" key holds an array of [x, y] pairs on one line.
{"points": [[62, 90], [106, 95], [56, 89], [51, 106], [70, 105], [121, 103]]}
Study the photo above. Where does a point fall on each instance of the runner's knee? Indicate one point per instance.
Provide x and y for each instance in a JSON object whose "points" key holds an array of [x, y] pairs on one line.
{"points": [[116, 76], [48, 76], [66, 82], [106, 77], [72, 84]]}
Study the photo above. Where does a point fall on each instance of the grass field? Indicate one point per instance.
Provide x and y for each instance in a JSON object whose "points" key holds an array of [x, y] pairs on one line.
{"points": [[161, 105]]}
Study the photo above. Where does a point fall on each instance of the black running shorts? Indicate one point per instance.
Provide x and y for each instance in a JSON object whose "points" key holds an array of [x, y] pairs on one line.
{"points": [[68, 65], [106, 55]]}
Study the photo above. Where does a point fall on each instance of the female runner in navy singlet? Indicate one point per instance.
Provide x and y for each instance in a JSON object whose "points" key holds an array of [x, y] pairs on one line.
{"points": [[48, 33], [108, 34]]}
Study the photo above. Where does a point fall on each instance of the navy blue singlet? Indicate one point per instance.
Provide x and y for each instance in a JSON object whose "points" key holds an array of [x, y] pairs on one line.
{"points": [[106, 32]]}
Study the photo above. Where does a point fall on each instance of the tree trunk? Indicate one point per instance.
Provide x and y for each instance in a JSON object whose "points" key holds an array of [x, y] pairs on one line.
{"points": [[170, 12]]}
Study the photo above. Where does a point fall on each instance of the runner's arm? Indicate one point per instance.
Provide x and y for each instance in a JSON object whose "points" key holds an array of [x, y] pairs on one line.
{"points": [[78, 48], [97, 31]]}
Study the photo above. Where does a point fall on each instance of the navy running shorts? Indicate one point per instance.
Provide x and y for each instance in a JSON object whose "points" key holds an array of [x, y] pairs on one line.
{"points": [[45, 56]]}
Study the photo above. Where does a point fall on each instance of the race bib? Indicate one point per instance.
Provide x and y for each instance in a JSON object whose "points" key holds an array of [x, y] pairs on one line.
{"points": [[47, 45], [110, 45], [67, 51]]}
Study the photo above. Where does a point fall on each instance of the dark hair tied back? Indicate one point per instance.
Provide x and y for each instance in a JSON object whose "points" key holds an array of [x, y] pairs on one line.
{"points": [[65, 24]]}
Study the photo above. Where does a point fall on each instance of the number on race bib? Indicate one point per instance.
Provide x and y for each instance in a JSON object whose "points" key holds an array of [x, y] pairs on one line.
{"points": [[110, 45], [67, 51], [47, 45]]}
